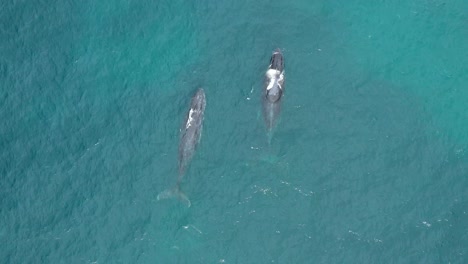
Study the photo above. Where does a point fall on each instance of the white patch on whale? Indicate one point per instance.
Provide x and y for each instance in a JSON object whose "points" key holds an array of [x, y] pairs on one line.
{"points": [[190, 118], [272, 73], [275, 76], [271, 84]]}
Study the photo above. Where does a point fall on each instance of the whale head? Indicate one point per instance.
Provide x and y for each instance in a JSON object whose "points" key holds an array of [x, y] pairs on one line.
{"points": [[277, 61]]}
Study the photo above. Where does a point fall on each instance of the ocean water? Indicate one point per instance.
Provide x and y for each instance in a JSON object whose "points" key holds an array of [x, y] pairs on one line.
{"points": [[368, 163]]}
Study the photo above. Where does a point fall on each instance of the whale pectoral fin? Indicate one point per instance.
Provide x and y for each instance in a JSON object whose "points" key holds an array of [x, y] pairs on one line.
{"points": [[174, 193]]}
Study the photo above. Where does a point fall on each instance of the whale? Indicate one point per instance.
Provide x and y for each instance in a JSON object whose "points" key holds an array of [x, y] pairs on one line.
{"points": [[272, 91], [190, 135]]}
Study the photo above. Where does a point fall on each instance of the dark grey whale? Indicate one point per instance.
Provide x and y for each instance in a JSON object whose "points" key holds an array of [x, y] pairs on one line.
{"points": [[273, 90], [190, 137]]}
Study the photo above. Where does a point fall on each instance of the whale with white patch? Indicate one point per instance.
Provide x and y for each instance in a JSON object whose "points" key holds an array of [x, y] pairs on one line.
{"points": [[190, 137], [273, 91]]}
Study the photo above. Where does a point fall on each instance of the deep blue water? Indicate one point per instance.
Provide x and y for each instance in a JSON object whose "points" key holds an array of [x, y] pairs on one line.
{"points": [[368, 163]]}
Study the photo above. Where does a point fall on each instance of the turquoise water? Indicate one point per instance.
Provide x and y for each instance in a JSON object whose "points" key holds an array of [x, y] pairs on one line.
{"points": [[367, 165]]}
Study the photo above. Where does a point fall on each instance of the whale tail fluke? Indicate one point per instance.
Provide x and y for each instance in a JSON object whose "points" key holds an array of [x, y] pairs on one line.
{"points": [[174, 193], [270, 158]]}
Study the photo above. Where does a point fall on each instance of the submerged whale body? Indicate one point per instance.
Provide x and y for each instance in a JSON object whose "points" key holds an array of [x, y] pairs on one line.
{"points": [[273, 90], [190, 137], [191, 132]]}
